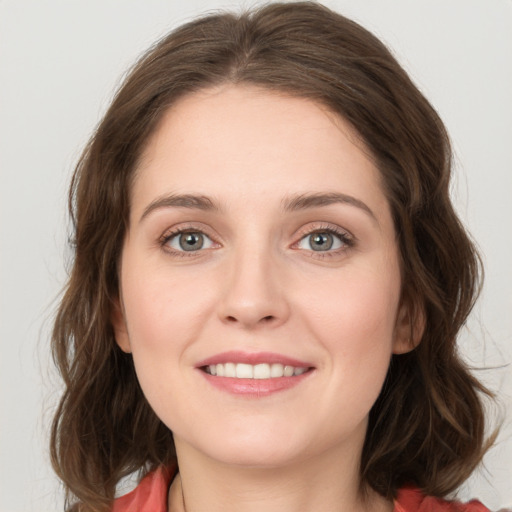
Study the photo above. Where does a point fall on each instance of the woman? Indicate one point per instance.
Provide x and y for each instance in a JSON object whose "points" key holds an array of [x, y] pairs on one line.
{"points": [[268, 283]]}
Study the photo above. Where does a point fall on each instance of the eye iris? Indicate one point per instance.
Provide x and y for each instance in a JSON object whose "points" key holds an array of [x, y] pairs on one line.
{"points": [[191, 241], [321, 241]]}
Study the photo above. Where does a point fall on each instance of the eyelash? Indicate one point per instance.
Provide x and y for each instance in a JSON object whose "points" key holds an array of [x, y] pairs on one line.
{"points": [[345, 238], [169, 235]]}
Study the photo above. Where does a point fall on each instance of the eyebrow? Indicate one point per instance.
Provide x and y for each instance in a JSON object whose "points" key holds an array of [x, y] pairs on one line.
{"points": [[305, 201], [291, 204], [180, 201]]}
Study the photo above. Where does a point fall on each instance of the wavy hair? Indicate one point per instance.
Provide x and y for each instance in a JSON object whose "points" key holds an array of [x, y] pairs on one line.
{"points": [[427, 426]]}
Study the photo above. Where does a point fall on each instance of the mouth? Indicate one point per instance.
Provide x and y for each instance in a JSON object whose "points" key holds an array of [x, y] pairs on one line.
{"points": [[259, 371], [254, 375]]}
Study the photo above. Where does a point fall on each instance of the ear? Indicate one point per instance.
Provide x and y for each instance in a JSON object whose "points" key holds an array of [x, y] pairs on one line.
{"points": [[118, 321], [409, 327]]}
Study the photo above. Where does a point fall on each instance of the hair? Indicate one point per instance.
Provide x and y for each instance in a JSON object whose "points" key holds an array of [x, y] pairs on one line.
{"points": [[427, 426]]}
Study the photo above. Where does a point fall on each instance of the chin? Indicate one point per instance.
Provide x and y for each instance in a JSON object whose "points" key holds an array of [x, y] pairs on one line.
{"points": [[257, 458], [250, 449]]}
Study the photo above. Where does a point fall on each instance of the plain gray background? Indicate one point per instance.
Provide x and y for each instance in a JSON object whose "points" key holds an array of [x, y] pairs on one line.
{"points": [[60, 62]]}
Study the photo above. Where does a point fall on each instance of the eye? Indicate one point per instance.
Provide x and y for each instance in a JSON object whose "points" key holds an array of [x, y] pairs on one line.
{"points": [[189, 241], [322, 241]]}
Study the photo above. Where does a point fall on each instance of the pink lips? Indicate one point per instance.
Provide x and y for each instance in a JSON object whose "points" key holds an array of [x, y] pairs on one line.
{"points": [[235, 356], [253, 388]]}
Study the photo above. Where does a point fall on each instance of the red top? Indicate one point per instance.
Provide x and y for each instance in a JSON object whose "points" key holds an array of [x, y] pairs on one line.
{"points": [[412, 500], [151, 496]]}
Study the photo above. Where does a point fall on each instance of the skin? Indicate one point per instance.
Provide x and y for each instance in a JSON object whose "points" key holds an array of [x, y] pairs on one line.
{"points": [[257, 285]]}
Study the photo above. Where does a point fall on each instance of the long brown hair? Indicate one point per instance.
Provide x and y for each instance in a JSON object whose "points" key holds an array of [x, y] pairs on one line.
{"points": [[427, 426]]}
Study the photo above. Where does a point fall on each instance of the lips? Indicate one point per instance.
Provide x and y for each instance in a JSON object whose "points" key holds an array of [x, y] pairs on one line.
{"points": [[254, 374], [255, 358]]}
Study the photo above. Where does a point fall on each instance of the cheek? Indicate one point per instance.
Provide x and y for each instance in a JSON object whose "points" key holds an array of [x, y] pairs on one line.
{"points": [[355, 322], [164, 310], [357, 307], [162, 322]]}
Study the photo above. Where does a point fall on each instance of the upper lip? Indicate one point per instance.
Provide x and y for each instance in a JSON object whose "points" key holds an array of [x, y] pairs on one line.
{"points": [[254, 358]]}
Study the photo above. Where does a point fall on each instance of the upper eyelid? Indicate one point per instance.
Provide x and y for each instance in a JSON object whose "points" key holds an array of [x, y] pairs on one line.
{"points": [[173, 234], [191, 227], [324, 226]]}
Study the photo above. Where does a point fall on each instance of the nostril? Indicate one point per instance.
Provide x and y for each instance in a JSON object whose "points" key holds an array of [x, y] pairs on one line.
{"points": [[265, 319]]}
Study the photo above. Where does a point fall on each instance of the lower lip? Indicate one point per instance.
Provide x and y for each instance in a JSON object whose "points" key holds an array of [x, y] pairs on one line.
{"points": [[255, 387]]}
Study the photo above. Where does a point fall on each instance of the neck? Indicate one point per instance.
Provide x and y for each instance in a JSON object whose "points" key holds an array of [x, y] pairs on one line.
{"points": [[328, 483]]}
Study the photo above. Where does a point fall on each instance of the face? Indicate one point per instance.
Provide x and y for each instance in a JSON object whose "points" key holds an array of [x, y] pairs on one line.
{"points": [[260, 279]]}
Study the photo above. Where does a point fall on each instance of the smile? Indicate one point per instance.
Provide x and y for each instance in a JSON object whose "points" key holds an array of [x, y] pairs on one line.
{"points": [[254, 375], [257, 371]]}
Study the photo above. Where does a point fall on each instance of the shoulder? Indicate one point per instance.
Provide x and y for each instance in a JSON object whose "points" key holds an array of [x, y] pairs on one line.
{"points": [[149, 496], [412, 500]]}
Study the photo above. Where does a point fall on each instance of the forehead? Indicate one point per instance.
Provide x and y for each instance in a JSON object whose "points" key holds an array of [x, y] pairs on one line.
{"points": [[244, 140]]}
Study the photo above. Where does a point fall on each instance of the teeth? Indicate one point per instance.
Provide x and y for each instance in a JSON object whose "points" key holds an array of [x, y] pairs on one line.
{"points": [[276, 370], [288, 371], [244, 371], [258, 371], [262, 371], [229, 370]]}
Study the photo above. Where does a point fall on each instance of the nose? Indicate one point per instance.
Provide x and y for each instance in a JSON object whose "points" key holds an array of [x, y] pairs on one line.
{"points": [[254, 294]]}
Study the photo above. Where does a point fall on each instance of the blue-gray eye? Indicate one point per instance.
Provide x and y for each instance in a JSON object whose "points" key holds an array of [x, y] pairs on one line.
{"points": [[190, 241], [321, 241]]}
